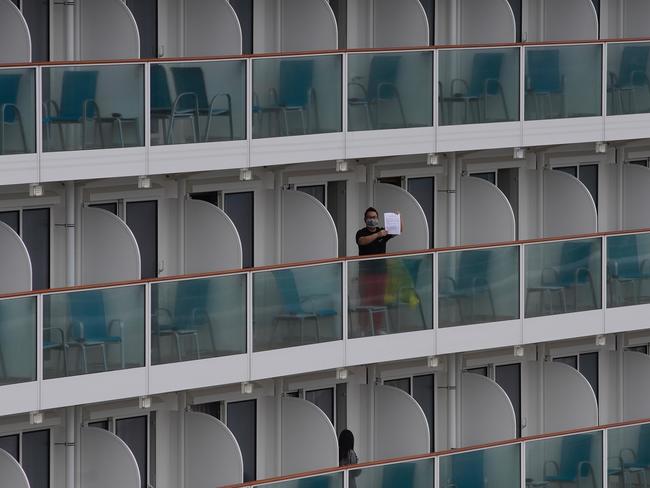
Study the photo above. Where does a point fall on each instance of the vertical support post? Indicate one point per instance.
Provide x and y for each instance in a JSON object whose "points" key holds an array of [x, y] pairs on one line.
{"points": [[372, 383], [452, 441], [620, 374], [540, 160], [452, 181], [70, 428], [180, 235], [181, 27], [69, 24], [620, 185], [279, 390], [279, 252], [70, 240], [541, 354], [370, 184], [182, 406]]}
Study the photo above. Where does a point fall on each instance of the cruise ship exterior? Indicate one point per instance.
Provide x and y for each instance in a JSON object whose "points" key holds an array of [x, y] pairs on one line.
{"points": [[182, 299]]}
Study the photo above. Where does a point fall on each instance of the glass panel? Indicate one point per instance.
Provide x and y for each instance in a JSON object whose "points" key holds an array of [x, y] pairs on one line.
{"points": [[414, 474], [240, 207], [196, 319], [628, 270], [142, 219], [36, 236], [424, 191], [323, 399], [316, 191], [390, 90], [500, 466], [424, 388], [478, 85], [241, 418], [563, 81], [588, 366], [403, 384], [17, 340], [133, 431], [93, 107], [17, 111], [628, 456], [562, 277], [294, 307], [508, 376], [10, 443], [12, 219], [569, 460], [297, 95], [93, 331], [37, 15], [198, 102], [145, 13], [36, 458], [628, 85], [331, 480], [337, 207], [390, 295], [478, 286]]}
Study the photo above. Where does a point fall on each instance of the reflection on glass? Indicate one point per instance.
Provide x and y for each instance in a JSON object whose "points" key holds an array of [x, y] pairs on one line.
{"points": [[17, 111], [628, 85], [389, 90], [628, 456], [499, 466], [628, 270], [17, 340], [478, 286], [196, 319], [563, 82], [198, 102], [93, 107], [414, 474], [298, 306], [97, 330], [390, 295], [296, 96], [478, 85], [562, 277], [330, 480], [570, 460]]}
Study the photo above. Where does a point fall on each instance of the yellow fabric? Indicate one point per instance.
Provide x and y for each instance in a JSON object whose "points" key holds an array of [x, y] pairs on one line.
{"points": [[399, 281]]}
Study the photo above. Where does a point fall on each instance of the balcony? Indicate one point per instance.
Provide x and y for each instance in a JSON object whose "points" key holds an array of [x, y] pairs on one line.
{"points": [[141, 117]]}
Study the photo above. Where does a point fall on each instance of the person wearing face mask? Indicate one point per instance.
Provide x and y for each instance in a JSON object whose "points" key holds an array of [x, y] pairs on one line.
{"points": [[372, 239]]}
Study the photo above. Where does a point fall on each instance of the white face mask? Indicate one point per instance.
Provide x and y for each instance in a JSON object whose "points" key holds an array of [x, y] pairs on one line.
{"points": [[372, 222]]}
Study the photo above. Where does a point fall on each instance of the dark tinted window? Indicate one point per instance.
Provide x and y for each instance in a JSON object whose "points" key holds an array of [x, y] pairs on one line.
{"points": [[109, 207], [100, 424], [316, 191], [508, 183], [588, 174], [516, 10], [509, 378], [403, 384], [337, 207], [341, 407], [207, 196], [12, 219], [641, 349], [490, 176], [423, 189], [570, 360], [37, 15], [423, 392], [340, 9], [36, 236], [145, 13], [212, 408], [244, 10], [10, 443], [571, 170], [142, 219], [242, 422], [483, 370], [133, 431], [36, 458], [323, 399], [239, 207], [391, 180], [588, 366]]}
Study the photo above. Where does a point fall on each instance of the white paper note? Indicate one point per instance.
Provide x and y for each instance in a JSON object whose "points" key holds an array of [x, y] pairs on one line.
{"points": [[392, 223]]}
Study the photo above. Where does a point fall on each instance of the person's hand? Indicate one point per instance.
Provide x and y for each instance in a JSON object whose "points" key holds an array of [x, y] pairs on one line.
{"points": [[382, 233]]}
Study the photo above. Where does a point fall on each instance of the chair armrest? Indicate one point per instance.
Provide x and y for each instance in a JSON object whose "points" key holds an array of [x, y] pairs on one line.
{"points": [[87, 105], [590, 469], [464, 85], [627, 450], [200, 317], [120, 325], [193, 98], [55, 331], [5, 106], [491, 82], [156, 316], [391, 86], [79, 326], [312, 299], [644, 262], [214, 99], [551, 463], [555, 274], [273, 96], [638, 75], [583, 272], [360, 86], [47, 105]]}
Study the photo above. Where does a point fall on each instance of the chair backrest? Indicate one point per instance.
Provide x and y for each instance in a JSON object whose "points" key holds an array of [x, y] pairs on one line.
{"points": [[574, 450], [315, 482], [623, 251], [468, 470], [543, 70], [160, 97], [190, 79], [399, 475], [296, 78], [286, 283], [77, 88], [485, 66], [574, 255], [643, 451], [473, 267], [9, 85], [384, 68], [87, 307], [191, 298], [634, 61]]}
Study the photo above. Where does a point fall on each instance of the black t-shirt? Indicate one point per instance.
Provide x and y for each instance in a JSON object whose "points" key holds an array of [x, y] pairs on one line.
{"points": [[378, 246]]}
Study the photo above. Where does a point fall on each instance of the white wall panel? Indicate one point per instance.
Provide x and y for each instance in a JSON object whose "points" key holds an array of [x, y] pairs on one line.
{"points": [[308, 25], [569, 208], [487, 414], [486, 21], [211, 28], [212, 455], [635, 18], [109, 250], [106, 461], [569, 400], [308, 231], [309, 440], [15, 41], [569, 20], [15, 264], [401, 428], [636, 385], [11, 473], [636, 197], [485, 213], [415, 235], [212, 242], [406, 25], [108, 30]]}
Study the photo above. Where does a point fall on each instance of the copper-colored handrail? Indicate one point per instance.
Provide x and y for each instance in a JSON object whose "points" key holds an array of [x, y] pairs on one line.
{"points": [[314, 262], [445, 452]]}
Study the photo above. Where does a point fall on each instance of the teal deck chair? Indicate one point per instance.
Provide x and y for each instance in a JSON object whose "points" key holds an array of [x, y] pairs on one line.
{"points": [[573, 270], [625, 266], [632, 75], [575, 462], [9, 111], [544, 82], [295, 94], [412, 266], [399, 475], [467, 470]]}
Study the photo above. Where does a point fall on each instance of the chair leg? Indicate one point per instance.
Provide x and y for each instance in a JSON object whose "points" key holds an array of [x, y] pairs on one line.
{"points": [[122, 355], [84, 358], [196, 345], [178, 347], [207, 128], [230, 126], [104, 359]]}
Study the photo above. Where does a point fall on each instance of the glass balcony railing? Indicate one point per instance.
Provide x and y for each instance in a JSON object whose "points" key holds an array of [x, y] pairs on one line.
{"points": [[478, 85], [628, 456], [95, 330], [198, 318], [18, 340], [563, 276], [297, 306], [329, 480], [17, 111], [414, 474], [198, 102], [628, 78], [563, 81], [498, 466], [628, 270], [390, 295], [296, 96], [478, 286], [93, 107], [574, 460], [390, 90]]}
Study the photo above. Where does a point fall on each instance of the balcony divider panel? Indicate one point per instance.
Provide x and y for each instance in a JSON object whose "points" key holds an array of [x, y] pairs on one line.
{"points": [[106, 461], [395, 27], [212, 454], [483, 22], [15, 41], [212, 242], [110, 252], [636, 198], [307, 25], [635, 13], [487, 414], [636, 385], [108, 30], [565, 20], [15, 263], [485, 213], [569, 208], [11, 473], [211, 29]]}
